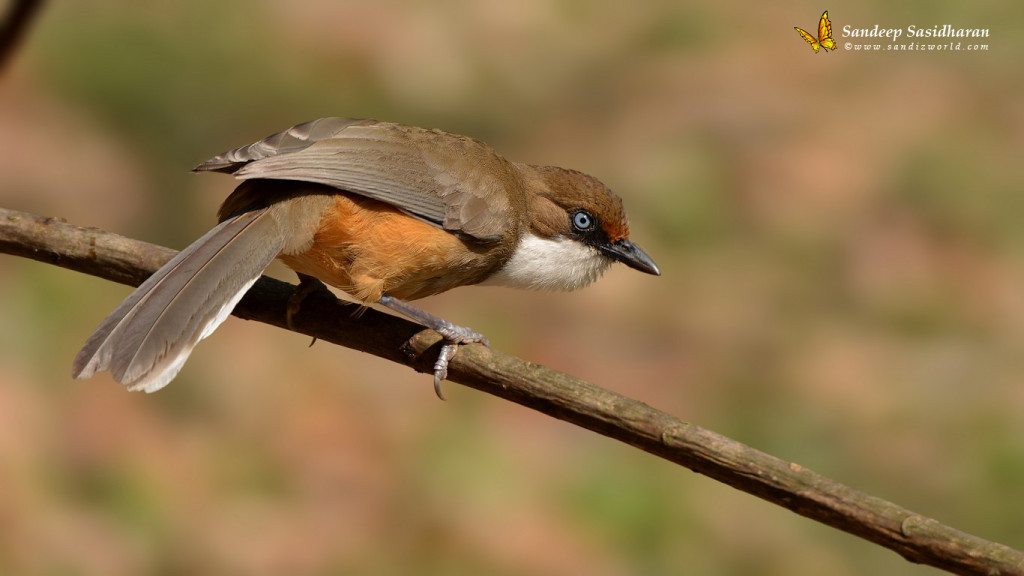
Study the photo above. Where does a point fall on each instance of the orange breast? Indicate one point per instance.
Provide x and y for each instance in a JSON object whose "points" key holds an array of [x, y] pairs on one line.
{"points": [[368, 248]]}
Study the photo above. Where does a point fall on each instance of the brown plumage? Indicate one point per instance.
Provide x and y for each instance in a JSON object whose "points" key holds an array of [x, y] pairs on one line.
{"points": [[382, 211]]}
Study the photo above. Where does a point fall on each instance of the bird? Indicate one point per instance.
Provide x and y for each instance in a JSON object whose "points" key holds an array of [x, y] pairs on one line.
{"points": [[385, 212]]}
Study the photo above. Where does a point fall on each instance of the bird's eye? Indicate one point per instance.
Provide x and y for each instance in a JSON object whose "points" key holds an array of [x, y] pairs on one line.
{"points": [[582, 220]]}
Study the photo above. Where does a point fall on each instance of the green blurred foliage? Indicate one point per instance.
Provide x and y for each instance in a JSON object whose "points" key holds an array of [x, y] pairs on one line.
{"points": [[843, 287]]}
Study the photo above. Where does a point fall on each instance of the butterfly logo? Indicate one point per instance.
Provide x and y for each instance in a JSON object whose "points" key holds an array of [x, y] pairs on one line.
{"points": [[824, 39]]}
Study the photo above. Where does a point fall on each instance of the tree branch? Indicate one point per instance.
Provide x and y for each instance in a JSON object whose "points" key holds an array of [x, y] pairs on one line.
{"points": [[915, 537], [14, 26]]}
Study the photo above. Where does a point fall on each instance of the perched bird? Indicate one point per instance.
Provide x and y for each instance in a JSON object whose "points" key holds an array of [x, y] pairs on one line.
{"points": [[385, 212]]}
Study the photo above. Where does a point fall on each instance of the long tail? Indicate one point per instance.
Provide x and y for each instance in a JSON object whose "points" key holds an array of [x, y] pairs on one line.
{"points": [[146, 340]]}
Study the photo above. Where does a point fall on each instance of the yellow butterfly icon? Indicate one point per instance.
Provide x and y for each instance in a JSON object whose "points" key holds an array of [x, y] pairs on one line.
{"points": [[824, 35]]}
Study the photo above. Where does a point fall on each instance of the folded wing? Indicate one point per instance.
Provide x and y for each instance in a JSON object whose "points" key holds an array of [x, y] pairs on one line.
{"points": [[454, 182]]}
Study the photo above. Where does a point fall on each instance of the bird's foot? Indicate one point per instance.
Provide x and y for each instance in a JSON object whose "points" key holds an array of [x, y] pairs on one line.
{"points": [[307, 285], [452, 334]]}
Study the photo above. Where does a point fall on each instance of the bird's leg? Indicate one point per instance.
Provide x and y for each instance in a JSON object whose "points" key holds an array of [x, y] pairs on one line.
{"points": [[307, 285], [453, 335]]}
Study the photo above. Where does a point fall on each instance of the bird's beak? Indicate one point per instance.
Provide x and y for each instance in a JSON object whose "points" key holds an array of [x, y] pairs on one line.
{"points": [[631, 255]]}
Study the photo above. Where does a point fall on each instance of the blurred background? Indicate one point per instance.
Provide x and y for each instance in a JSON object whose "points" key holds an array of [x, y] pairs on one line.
{"points": [[843, 286]]}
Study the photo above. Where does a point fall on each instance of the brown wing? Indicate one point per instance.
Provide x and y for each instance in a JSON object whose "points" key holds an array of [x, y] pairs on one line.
{"points": [[454, 182]]}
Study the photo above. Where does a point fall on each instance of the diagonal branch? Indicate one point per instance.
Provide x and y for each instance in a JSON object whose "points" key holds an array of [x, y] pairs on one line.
{"points": [[14, 26], [915, 537]]}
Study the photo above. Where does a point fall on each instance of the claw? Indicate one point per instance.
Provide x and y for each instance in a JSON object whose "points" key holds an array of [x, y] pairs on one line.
{"points": [[294, 303], [453, 336], [441, 366], [307, 285]]}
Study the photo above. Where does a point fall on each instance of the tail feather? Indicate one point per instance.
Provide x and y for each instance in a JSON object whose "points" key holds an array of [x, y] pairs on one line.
{"points": [[145, 341]]}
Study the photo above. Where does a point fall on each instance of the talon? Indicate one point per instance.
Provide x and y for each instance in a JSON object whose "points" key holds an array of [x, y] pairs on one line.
{"points": [[441, 366], [437, 387], [291, 311], [307, 285], [453, 335], [460, 334]]}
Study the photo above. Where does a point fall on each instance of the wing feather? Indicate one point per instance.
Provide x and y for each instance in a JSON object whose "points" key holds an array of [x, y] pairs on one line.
{"points": [[454, 182], [145, 341]]}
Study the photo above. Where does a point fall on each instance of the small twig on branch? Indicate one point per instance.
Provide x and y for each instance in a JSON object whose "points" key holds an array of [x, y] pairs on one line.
{"points": [[915, 537], [14, 25]]}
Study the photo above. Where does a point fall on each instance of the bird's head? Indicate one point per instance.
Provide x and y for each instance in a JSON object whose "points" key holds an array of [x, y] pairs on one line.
{"points": [[576, 228]]}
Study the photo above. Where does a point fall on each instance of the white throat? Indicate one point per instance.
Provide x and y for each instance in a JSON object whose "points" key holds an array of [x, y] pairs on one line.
{"points": [[550, 264]]}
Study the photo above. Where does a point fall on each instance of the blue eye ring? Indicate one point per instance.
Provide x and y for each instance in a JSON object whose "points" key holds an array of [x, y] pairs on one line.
{"points": [[583, 221]]}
